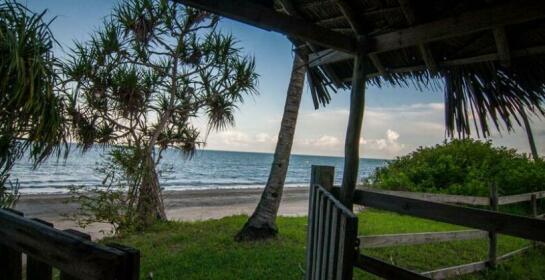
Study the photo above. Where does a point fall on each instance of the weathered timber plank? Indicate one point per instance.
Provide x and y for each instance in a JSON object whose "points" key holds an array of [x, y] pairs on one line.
{"points": [[458, 270], [268, 19], [332, 265], [131, 269], [503, 200], [523, 227], [10, 264], [11, 259], [36, 269], [492, 236], [327, 239], [386, 270], [387, 240], [60, 249], [453, 271], [443, 198]]}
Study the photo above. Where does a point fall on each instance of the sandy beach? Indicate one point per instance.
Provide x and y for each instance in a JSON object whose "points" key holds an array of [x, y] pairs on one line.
{"points": [[189, 205]]}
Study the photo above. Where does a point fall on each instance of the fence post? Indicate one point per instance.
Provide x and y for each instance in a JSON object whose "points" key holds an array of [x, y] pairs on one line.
{"points": [[533, 201], [492, 236], [35, 269], [323, 176], [11, 261], [64, 275]]}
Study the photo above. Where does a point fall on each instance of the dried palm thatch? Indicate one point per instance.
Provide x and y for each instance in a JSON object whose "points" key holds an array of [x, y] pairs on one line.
{"points": [[488, 75]]}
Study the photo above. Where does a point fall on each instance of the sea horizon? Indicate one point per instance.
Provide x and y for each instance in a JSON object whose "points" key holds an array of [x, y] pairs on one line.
{"points": [[207, 169]]}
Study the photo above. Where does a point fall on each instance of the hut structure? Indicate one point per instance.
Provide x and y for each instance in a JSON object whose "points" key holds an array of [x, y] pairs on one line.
{"points": [[488, 56]]}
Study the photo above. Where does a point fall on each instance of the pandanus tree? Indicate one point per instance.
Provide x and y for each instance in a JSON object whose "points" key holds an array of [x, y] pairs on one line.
{"points": [[31, 118], [142, 80]]}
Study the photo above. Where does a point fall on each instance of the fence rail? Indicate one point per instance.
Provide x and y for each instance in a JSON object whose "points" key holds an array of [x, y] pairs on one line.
{"points": [[387, 240], [524, 227], [69, 251]]}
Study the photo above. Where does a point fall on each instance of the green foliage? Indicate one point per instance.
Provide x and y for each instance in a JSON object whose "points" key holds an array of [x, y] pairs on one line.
{"points": [[146, 75], [464, 167], [207, 250], [30, 108], [113, 201]]}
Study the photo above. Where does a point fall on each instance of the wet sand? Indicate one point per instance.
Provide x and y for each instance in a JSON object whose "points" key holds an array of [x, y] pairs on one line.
{"points": [[190, 205]]}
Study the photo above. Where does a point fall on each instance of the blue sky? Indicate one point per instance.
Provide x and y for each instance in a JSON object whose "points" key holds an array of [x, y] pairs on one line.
{"points": [[397, 120]]}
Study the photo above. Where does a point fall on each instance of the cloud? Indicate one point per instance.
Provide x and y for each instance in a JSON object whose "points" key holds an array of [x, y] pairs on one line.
{"points": [[388, 145], [264, 138], [323, 141]]}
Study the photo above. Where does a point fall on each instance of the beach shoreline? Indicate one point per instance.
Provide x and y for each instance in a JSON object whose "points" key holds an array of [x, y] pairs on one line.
{"points": [[182, 205]]}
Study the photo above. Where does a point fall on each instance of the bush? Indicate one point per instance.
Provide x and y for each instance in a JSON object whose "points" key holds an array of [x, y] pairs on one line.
{"points": [[114, 200], [464, 167]]}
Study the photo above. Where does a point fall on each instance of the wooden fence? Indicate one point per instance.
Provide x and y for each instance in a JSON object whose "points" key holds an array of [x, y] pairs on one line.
{"points": [[386, 240], [442, 208], [70, 251]]}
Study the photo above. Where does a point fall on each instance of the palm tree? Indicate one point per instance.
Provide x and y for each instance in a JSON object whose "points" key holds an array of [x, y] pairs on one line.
{"points": [[31, 116], [262, 223]]}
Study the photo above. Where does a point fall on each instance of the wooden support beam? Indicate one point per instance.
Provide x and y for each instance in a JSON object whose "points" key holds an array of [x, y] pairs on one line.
{"points": [[464, 61], [467, 23], [349, 10], [376, 62], [353, 132], [502, 44], [428, 58], [268, 19]]}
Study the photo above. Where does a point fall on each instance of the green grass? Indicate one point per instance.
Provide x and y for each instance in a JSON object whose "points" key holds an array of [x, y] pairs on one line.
{"points": [[206, 250]]}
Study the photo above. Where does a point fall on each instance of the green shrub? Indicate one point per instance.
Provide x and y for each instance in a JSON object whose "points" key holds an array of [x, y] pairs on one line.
{"points": [[464, 167]]}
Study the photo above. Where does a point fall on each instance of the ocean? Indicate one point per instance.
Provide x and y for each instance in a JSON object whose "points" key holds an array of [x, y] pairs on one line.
{"points": [[208, 169]]}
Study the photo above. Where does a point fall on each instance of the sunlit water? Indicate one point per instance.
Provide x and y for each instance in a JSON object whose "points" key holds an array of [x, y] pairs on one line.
{"points": [[206, 170]]}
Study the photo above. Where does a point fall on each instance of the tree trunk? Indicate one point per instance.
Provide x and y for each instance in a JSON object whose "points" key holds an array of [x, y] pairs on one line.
{"points": [[529, 133], [150, 207], [262, 223]]}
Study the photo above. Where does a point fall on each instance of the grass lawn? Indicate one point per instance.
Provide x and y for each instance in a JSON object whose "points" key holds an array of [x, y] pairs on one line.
{"points": [[206, 250]]}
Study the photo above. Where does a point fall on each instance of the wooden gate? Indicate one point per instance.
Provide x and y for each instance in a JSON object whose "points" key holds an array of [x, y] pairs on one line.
{"points": [[331, 241]]}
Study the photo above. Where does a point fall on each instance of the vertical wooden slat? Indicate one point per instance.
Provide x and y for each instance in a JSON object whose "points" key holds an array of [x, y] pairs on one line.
{"points": [[321, 229], [131, 267], [326, 240], [350, 253], [492, 236], [310, 230], [316, 234], [64, 275], [11, 261], [341, 248], [36, 269], [333, 245]]}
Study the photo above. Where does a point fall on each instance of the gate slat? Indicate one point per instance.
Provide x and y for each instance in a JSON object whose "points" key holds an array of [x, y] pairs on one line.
{"points": [[327, 230]]}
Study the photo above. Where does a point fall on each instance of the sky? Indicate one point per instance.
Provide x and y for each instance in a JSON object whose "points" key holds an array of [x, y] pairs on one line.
{"points": [[396, 120]]}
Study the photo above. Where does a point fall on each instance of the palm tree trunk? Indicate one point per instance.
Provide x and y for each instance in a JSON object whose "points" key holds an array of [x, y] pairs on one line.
{"points": [[150, 207], [530, 135], [262, 224]]}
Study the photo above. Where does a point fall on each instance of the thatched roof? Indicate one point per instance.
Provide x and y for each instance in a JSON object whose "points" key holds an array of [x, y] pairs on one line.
{"points": [[487, 55]]}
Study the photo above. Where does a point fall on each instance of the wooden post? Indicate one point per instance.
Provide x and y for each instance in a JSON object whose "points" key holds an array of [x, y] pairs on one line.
{"points": [[492, 236], [64, 275], [36, 269], [353, 131], [323, 176], [131, 267], [533, 202], [11, 261]]}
